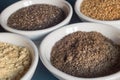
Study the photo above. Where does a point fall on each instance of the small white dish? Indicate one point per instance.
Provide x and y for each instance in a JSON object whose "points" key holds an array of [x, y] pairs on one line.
{"points": [[83, 17], [22, 41], [67, 8], [47, 44]]}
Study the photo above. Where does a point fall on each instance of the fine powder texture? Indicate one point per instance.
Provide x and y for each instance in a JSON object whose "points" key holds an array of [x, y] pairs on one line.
{"points": [[14, 61], [36, 17], [101, 9], [86, 54]]}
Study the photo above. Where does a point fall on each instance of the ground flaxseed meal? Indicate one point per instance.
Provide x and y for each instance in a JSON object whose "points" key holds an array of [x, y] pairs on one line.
{"points": [[36, 17], [86, 54], [14, 61], [101, 9]]}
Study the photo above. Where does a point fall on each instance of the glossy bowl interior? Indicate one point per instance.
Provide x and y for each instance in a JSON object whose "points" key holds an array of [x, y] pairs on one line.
{"points": [[49, 41], [83, 17], [22, 41], [67, 8]]}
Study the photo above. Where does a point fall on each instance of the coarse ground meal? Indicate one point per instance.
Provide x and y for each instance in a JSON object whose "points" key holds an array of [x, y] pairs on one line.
{"points": [[101, 9], [14, 61], [36, 17], [86, 54]]}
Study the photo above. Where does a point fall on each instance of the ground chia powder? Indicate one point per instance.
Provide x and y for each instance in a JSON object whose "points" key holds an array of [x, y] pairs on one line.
{"points": [[35, 17], [86, 54]]}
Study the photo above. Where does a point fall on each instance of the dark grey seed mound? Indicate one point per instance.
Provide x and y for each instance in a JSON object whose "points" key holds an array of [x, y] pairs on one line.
{"points": [[36, 17]]}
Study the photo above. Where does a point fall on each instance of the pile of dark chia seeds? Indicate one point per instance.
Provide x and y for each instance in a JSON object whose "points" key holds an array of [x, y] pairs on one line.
{"points": [[36, 17], [86, 54]]}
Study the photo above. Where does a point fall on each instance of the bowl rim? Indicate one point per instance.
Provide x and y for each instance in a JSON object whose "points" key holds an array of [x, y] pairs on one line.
{"points": [[68, 17], [81, 15], [34, 63], [66, 76]]}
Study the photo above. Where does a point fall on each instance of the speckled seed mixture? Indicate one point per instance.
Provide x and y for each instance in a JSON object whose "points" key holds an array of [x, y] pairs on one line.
{"points": [[86, 54], [101, 9], [14, 61], [36, 17]]}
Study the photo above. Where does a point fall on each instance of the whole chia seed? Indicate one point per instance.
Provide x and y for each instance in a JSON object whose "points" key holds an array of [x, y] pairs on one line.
{"points": [[36, 17], [101, 9], [86, 54]]}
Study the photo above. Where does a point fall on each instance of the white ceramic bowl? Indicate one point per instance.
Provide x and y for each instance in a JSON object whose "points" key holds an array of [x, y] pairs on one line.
{"points": [[22, 41], [67, 8], [47, 44], [83, 17]]}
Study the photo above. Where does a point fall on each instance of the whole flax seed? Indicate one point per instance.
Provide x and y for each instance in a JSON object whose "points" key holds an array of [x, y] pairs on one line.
{"points": [[101, 9], [86, 54]]}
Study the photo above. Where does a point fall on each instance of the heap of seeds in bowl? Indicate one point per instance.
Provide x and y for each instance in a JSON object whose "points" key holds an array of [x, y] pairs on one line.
{"points": [[14, 61], [86, 54], [36, 17], [101, 9]]}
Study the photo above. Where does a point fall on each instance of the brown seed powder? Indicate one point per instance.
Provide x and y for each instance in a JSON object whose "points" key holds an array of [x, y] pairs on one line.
{"points": [[86, 54]]}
